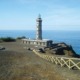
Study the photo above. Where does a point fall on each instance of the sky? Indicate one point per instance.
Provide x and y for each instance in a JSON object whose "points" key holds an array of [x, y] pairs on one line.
{"points": [[56, 14]]}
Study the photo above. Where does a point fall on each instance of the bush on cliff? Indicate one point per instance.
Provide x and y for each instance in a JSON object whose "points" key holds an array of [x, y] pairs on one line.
{"points": [[23, 37], [7, 39]]}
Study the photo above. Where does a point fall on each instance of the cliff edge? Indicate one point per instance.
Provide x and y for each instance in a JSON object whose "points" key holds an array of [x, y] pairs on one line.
{"points": [[63, 49]]}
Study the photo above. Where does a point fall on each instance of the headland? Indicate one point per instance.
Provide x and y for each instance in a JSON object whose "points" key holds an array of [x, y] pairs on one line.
{"points": [[19, 63]]}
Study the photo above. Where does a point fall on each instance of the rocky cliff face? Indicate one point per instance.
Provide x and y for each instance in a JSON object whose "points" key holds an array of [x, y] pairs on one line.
{"points": [[64, 49]]}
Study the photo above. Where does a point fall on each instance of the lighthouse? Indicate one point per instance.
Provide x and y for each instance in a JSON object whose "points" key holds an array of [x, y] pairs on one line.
{"points": [[39, 41], [39, 28]]}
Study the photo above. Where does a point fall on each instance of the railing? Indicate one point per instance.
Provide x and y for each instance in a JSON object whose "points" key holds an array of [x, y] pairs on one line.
{"points": [[71, 63]]}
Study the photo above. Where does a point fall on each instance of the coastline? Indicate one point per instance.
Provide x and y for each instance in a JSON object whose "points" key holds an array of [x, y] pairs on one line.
{"points": [[69, 37]]}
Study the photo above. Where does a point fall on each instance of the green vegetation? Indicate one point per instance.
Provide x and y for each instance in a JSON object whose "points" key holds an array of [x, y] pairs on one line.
{"points": [[7, 39], [10, 39], [23, 37]]}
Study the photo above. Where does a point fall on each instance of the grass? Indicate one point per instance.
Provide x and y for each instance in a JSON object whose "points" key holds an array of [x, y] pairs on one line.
{"points": [[16, 66]]}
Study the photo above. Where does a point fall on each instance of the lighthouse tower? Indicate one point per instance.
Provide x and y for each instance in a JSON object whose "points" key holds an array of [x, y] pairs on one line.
{"points": [[39, 28]]}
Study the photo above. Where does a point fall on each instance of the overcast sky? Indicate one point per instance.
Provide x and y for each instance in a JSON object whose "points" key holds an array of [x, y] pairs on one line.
{"points": [[56, 14]]}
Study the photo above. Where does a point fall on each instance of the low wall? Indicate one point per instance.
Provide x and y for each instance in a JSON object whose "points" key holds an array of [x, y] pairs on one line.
{"points": [[71, 63]]}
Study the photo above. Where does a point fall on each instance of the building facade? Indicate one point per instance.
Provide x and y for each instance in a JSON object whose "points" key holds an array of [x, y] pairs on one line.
{"points": [[44, 43]]}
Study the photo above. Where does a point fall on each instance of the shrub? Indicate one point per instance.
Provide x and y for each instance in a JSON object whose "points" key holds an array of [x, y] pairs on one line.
{"points": [[23, 37], [8, 39]]}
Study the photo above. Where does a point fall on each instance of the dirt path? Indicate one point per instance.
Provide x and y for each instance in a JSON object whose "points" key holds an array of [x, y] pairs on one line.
{"points": [[17, 63]]}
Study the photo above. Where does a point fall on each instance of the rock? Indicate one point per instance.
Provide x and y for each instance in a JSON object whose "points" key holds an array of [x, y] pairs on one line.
{"points": [[2, 48], [64, 49]]}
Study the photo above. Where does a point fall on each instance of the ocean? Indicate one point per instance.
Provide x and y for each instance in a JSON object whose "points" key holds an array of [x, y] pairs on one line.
{"points": [[69, 37]]}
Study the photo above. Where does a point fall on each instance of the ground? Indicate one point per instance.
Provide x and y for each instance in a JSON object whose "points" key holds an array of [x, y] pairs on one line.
{"points": [[18, 63]]}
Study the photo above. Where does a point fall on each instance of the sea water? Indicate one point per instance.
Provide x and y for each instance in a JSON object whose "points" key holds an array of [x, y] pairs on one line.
{"points": [[69, 37]]}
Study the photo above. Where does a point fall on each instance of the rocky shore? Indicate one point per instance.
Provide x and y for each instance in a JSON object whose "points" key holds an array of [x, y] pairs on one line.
{"points": [[62, 49]]}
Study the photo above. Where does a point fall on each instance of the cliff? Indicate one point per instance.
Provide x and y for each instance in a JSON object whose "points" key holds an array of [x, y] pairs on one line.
{"points": [[63, 49]]}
